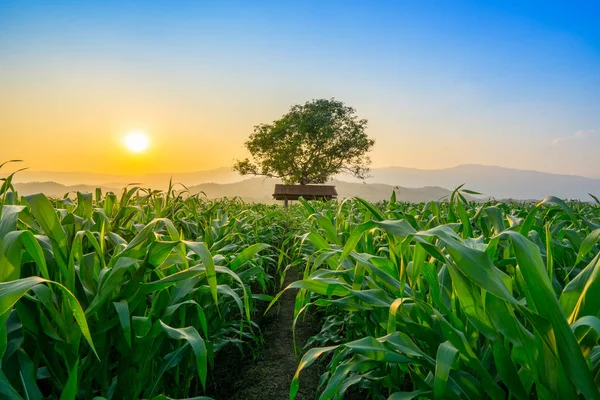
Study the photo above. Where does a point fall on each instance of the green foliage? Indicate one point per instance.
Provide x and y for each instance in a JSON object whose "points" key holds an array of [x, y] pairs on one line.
{"points": [[133, 296], [130, 297], [309, 144], [453, 299]]}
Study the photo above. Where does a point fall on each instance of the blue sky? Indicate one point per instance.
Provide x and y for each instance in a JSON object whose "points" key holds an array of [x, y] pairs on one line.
{"points": [[504, 83]]}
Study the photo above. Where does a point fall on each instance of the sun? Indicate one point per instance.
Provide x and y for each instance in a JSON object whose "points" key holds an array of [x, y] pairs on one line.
{"points": [[137, 141]]}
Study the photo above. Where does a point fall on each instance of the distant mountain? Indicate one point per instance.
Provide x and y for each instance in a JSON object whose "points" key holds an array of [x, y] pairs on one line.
{"points": [[255, 190], [377, 192], [496, 182], [158, 181], [57, 190], [261, 190]]}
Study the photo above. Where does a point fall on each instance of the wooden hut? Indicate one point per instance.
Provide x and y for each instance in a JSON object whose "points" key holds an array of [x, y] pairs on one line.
{"points": [[308, 192]]}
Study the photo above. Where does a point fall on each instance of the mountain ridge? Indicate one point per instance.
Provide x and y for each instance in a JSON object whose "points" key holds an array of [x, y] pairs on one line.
{"points": [[258, 190], [493, 181], [125, 176]]}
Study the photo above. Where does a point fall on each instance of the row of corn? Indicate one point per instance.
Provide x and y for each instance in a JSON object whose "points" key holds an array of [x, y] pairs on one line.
{"points": [[453, 299]]}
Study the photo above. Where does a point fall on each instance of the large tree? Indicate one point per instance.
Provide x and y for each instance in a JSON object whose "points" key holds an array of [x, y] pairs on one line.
{"points": [[309, 144]]}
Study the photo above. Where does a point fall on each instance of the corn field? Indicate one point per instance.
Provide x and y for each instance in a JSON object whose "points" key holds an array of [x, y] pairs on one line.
{"points": [[454, 300], [106, 296], [130, 297]]}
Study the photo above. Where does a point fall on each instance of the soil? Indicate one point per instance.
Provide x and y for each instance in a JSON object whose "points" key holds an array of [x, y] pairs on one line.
{"points": [[268, 377]]}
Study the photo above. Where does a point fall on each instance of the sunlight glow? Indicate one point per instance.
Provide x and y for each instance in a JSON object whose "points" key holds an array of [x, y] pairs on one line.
{"points": [[137, 141]]}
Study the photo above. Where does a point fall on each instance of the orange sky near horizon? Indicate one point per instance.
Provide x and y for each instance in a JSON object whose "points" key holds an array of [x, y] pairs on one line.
{"points": [[92, 140], [182, 138]]}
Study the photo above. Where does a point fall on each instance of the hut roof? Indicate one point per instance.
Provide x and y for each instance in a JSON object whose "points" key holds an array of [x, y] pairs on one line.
{"points": [[293, 192]]}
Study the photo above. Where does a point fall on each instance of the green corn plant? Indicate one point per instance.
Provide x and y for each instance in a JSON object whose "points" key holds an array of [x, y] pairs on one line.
{"points": [[130, 296], [453, 299]]}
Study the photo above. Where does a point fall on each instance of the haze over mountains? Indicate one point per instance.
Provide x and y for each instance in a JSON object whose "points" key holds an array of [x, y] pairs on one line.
{"points": [[159, 181], [415, 184], [258, 190], [493, 181]]}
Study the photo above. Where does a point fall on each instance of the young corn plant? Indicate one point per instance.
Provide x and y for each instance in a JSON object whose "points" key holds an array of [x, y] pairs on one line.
{"points": [[454, 299], [127, 297]]}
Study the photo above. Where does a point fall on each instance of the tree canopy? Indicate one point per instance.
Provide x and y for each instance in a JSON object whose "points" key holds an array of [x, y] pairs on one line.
{"points": [[309, 144]]}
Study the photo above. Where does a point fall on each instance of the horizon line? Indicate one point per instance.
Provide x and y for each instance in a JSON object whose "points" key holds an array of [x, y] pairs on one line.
{"points": [[230, 168]]}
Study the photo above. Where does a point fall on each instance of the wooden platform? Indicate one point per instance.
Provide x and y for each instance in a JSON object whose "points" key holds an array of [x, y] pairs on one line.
{"points": [[308, 192]]}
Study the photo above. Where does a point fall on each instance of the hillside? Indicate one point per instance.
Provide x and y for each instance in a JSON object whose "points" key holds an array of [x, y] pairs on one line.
{"points": [[496, 182], [159, 181], [493, 181], [261, 190], [54, 189], [256, 190]]}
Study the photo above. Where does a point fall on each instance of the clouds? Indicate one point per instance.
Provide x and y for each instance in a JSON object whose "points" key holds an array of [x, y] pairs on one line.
{"points": [[578, 135]]}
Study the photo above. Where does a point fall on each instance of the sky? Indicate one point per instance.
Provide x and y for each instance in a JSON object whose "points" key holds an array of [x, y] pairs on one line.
{"points": [[507, 83]]}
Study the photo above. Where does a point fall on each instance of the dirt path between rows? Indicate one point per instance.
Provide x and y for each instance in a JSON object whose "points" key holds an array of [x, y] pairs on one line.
{"points": [[269, 376]]}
